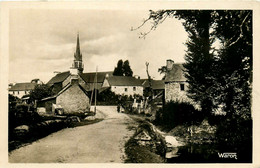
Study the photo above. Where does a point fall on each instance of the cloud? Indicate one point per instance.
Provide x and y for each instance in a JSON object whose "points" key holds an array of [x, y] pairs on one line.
{"points": [[43, 41]]}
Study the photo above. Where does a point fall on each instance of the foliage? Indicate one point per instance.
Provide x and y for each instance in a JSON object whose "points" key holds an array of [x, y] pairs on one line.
{"points": [[234, 77], [40, 92], [108, 97], [123, 69], [163, 71], [127, 69], [219, 78], [175, 113], [118, 71]]}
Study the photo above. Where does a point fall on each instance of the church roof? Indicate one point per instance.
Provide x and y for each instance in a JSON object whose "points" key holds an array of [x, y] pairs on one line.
{"points": [[90, 77], [23, 86], [60, 77], [124, 81], [176, 73], [87, 77]]}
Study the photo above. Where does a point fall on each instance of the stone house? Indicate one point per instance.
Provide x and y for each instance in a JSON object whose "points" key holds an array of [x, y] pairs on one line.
{"points": [[176, 84], [124, 85], [72, 98]]}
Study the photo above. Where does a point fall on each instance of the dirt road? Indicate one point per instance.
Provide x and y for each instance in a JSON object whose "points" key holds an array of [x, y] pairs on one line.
{"points": [[101, 142]]}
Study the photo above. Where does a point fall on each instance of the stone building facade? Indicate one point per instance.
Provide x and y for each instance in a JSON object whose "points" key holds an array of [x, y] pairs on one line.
{"points": [[176, 84], [124, 85], [73, 98]]}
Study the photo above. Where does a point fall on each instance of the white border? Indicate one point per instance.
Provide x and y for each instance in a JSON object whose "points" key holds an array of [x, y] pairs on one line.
{"points": [[123, 5]]}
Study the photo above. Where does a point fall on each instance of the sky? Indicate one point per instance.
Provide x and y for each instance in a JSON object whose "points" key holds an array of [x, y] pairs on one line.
{"points": [[43, 41]]}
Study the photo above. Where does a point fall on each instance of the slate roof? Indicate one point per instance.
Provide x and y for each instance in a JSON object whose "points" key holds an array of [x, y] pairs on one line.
{"points": [[156, 84], [90, 77], [63, 90], [22, 86], [87, 77], [124, 81], [59, 77], [175, 74]]}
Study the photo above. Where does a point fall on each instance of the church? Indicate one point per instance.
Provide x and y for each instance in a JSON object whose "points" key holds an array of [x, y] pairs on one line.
{"points": [[70, 89]]}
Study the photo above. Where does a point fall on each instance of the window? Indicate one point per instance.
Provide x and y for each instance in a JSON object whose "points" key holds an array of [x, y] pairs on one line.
{"points": [[125, 89], [182, 86], [134, 88]]}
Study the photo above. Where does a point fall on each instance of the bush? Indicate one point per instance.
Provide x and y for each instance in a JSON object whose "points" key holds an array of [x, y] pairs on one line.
{"points": [[176, 113]]}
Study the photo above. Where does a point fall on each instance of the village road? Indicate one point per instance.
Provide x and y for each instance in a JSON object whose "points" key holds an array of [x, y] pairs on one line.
{"points": [[101, 142]]}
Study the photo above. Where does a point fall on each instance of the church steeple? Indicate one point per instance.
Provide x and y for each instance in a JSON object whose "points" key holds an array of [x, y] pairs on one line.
{"points": [[77, 54], [77, 63]]}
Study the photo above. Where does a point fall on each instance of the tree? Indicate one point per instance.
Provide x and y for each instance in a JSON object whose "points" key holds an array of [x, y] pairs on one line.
{"points": [[234, 81], [215, 78], [163, 71], [199, 58], [118, 71], [127, 69], [40, 92], [123, 69], [222, 79]]}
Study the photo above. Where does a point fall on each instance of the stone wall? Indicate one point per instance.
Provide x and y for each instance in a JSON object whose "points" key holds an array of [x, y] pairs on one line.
{"points": [[73, 100], [173, 92]]}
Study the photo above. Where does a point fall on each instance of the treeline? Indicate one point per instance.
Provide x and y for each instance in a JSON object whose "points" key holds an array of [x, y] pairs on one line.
{"points": [[220, 78]]}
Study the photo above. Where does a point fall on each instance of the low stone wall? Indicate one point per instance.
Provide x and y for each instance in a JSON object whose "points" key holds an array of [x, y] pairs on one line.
{"points": [[43, 128]]}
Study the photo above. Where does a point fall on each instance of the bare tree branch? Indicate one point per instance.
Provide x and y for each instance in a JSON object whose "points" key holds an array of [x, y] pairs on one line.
{"points": [[240, 35], [157, 17]]}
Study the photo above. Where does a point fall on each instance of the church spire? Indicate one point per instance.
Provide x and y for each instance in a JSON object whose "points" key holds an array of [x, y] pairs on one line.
{"points": [[77, 63], [78, 55]]}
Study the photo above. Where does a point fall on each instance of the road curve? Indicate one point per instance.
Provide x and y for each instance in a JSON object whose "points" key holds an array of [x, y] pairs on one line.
{"points": [[102, 142]]}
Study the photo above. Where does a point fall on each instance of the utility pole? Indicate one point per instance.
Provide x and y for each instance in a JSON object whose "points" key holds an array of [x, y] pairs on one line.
{"points": [[95, 85]]}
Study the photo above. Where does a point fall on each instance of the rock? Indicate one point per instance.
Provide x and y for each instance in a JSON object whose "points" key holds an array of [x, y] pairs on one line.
{"points": [[143, 136], [172, 153], [90, 118], [74, 119], [23, 128], [171, 141]]}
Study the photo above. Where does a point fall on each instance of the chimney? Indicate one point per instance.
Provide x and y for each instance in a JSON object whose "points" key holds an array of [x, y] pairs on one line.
{"points": [[169, 64], [74, 79], [74, 71]]}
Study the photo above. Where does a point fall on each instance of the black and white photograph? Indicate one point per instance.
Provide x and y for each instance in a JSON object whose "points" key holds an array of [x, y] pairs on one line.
{"points": [[157, 85]]}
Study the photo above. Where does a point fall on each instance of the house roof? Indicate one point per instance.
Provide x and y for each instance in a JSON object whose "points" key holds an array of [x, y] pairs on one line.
{"points": [[22, 86], [124, 81], [156, 84], [176, 73], [60, 77], [63, 90], [87, 77], [90, 77]]}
